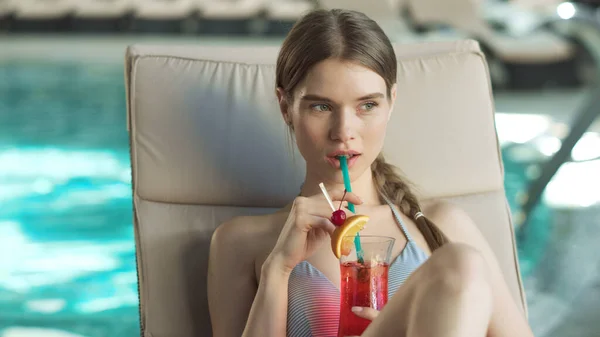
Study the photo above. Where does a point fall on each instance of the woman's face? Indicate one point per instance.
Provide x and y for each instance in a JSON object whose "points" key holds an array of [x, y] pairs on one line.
{"points": [[339, 108]]}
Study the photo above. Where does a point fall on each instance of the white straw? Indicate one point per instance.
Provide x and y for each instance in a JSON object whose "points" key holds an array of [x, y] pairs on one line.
{"points": [[322, 186]]}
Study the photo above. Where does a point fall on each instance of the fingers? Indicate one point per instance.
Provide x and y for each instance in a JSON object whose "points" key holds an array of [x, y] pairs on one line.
{"points": [[323, 210], [318, 207], [312, 206], [322, 223], [365, 312], [337, 195]]}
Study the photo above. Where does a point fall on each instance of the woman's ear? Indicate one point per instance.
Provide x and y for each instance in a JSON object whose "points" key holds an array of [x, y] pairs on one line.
{"points": [[393, 92], [283, 106]]}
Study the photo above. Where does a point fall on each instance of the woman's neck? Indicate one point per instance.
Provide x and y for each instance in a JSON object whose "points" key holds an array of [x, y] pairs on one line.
{"points": [[363, 187]]}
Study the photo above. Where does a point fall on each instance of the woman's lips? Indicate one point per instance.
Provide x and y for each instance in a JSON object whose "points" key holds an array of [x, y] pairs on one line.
{"points": [[335, 162]]}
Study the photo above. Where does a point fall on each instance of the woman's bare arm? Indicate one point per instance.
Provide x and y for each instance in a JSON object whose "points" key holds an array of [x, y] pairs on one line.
{"points": [[231, 281], [268, 316], [238, 305]]}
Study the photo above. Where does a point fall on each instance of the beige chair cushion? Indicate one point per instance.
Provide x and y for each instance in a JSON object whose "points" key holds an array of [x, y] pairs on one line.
{"points": [[208, 143]]}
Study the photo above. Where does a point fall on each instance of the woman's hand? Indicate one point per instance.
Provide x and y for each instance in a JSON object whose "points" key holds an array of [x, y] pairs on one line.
{"points": [[306, 228], [365, 312]]}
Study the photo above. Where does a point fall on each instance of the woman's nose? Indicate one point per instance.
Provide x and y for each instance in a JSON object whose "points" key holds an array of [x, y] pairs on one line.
{"points": [[342, 126]]}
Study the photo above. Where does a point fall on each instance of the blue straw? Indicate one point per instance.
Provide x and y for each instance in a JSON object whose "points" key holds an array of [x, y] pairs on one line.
{"points": [[344, 167]]}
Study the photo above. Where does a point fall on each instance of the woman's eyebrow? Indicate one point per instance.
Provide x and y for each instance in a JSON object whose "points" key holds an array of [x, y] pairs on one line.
{"points": [[372, 96], [313, 97]]}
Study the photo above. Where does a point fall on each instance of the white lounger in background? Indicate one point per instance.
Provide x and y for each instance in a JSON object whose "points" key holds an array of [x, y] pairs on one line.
{"points": [[163, 9], [231, 9], [287, 10], [164, 16], [539, 5], [102, 9], [43, 9], [385, 12], [232, 17], [7, 7], [465, 16], [282, 14]]}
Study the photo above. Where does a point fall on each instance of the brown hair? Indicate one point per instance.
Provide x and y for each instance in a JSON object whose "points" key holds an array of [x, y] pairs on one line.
{"points": [[352, 36]]}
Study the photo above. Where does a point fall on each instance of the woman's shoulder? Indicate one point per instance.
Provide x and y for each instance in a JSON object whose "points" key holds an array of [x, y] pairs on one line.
{"points": [[249, 231], [450, 218], [457, 224], [441, 209]]}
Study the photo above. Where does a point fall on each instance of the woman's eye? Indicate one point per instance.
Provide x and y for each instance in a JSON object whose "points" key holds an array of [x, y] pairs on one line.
{"points": [[369, 106], [320, 107]]}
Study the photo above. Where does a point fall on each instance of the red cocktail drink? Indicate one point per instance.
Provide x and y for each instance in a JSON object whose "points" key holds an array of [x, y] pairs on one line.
{"points": [[361, 286], [364, 283]]}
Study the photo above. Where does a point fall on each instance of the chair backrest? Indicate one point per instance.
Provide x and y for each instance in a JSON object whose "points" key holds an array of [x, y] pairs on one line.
{"points": [[208, 143]]}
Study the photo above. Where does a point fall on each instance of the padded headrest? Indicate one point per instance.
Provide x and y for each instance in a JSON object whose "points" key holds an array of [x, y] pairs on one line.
{"points": [[207, 126]]}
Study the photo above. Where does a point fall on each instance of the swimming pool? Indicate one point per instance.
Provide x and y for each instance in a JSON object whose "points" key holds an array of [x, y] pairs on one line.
{"points": [[66, 221]]}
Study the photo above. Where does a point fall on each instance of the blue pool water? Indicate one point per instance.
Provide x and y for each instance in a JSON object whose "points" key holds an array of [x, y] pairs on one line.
{"points": [[66, 236]]}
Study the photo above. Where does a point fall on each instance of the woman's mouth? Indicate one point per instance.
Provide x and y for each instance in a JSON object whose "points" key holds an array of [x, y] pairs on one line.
{"points": [[335, 161]]}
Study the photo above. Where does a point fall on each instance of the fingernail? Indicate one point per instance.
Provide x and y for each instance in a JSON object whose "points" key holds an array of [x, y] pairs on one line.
{"points": [[357, 309]]}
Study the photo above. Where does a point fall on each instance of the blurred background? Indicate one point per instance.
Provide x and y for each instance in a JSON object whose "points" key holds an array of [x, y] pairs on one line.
{"points": [[67, 259]]}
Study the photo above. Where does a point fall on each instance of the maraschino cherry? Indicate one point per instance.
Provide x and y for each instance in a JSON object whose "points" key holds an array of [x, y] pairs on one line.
{"points": [[338, 217]]}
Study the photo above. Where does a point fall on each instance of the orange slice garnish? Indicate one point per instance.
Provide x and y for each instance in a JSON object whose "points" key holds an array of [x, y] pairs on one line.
{"points": [[342, 239]]}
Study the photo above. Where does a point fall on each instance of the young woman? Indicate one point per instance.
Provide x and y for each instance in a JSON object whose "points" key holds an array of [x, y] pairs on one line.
{"points": [[276, 275]]}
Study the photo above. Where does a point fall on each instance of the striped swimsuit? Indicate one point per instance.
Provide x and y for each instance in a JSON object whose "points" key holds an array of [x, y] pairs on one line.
{"points": [[314, 301]]}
